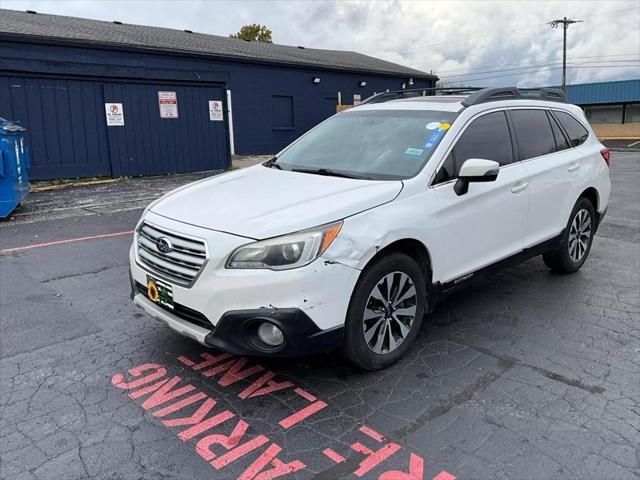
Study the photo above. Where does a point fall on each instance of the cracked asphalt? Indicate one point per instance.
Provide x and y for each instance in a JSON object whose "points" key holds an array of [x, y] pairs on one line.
{"points": [[527, 375]]}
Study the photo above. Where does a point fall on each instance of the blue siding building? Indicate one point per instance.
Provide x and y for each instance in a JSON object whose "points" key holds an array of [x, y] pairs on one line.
{"points": [[111, 99], [608, 102]]}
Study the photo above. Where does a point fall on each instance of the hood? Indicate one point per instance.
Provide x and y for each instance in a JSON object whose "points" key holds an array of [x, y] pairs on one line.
{"points": [[260, 202]]}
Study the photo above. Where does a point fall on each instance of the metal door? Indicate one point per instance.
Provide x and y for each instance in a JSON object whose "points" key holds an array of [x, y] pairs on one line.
{"points": [[65, 122], [148, 144]]}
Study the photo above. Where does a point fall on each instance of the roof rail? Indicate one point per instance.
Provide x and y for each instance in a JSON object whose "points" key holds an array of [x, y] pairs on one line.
{"points": [[514, 93], [417, 92]]}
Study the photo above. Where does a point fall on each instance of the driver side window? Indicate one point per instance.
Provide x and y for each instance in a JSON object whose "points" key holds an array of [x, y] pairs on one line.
{"points": [[487, 137]]}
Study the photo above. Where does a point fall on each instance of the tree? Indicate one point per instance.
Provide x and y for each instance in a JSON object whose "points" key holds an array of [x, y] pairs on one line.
{"points": [[254, 32]]}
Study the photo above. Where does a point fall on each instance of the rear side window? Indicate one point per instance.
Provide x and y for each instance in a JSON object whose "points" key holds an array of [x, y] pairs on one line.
{"points": [[561, 140], [533, 133], [487, 137], [576, 131]]}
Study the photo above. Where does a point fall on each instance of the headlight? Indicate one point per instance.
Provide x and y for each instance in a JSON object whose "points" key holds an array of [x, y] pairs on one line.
{"points": [[289, 251]]}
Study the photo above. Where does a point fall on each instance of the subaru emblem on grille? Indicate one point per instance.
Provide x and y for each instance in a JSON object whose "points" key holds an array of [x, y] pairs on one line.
{"points": [[163, 245]]}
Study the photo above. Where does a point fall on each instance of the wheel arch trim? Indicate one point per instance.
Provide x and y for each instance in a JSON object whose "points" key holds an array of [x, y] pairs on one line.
{"points": [[413, 247], [591, 193]]}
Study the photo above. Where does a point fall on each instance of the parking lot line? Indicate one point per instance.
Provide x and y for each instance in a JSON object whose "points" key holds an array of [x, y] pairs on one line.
{"points": [[67, 240], [634, 143]]}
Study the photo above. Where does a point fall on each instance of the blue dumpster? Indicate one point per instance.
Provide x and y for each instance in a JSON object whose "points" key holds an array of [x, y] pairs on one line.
{"points": [[14, 183]]}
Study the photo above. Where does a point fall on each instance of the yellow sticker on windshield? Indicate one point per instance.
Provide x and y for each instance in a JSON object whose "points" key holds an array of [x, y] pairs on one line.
{"points": [[437, 126]]}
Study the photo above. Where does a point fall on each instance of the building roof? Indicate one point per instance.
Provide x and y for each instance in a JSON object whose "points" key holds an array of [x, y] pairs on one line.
{"points": [[82, 30], [604, 92]]}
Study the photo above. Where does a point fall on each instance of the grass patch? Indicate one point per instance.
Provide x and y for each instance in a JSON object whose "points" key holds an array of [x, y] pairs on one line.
{"points": [[43, 185]]}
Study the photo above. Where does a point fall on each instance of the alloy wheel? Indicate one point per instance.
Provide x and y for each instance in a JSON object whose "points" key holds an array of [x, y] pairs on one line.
{"points": [[579, 235], [389, 312]]}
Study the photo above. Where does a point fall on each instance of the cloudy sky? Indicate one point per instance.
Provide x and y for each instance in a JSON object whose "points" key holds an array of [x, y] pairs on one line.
{"points": [[464, 42]]}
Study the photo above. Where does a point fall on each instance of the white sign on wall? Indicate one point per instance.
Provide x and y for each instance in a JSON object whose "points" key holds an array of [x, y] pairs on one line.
{"points": [[356, 99], [115, 114], [215, 110], [168, 104]]}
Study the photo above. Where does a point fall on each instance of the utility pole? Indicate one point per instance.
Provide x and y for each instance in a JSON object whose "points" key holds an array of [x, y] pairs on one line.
{"points": [[565, 25]]}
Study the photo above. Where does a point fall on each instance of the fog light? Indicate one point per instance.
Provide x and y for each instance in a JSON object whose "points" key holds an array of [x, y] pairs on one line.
{"points": [[270, 334]]}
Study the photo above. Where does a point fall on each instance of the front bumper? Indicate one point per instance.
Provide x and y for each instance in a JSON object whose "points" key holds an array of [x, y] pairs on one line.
{"points": [[176, 323], [308, 304], [236, 332]]}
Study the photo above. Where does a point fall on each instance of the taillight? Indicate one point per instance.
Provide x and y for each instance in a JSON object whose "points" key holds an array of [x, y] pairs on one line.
{"points": [[606, 155]]}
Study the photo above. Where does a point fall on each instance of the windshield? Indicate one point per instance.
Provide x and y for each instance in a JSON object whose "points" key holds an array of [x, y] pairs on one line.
{"points": [[378, 145]]}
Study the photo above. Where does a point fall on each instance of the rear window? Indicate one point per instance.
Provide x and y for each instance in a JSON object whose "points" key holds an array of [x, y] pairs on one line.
{"points": [[533, 132], [576, 131]]}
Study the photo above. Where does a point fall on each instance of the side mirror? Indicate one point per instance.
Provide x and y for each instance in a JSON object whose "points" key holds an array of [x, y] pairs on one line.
{"points": [[475, 170]]}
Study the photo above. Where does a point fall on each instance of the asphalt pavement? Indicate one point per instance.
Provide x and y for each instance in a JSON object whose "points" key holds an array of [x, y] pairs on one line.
{"points": [[623, 145], [527, 375]]}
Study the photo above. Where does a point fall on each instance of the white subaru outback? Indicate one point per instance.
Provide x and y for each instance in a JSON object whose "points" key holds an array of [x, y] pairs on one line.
{"points": [[348, 236]]}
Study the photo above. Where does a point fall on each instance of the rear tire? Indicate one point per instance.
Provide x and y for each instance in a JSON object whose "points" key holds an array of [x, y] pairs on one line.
{"points": [[576, 241], [385, 312]]}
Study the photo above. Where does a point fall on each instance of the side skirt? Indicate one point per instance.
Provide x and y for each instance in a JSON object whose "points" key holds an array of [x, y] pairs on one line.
{"points": [[439, 291]]}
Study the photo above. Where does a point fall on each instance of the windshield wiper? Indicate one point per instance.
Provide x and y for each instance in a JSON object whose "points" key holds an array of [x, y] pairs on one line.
{"points": [[271, 163], [328, 173]]}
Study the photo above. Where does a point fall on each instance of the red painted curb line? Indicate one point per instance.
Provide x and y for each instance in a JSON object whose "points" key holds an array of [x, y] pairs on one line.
{"points": [[61, 242]]}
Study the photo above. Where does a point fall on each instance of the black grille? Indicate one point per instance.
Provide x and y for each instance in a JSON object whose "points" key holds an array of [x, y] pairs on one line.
{"points": [[185, 313]]}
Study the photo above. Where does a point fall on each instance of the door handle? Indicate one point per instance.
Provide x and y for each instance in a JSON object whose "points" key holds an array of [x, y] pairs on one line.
{"points": [[519, 187], [574, 167]]}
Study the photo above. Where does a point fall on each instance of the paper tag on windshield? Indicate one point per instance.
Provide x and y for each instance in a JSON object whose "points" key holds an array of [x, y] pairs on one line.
{"points": [[414, 151]]}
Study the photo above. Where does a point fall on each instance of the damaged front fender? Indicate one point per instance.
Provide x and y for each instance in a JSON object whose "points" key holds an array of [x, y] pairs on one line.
{"points": [[363, 236]]}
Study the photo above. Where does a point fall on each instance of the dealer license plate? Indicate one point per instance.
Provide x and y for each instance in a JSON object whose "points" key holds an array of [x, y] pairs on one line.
{"points": [[159, 292]]}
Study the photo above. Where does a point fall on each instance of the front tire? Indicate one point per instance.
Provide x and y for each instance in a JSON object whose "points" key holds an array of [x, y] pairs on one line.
{"points": [[577, 240], [385, 312]]}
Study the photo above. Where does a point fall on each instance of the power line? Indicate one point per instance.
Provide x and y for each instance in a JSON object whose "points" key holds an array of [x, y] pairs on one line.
{"points": [[515, 30], [471, 69], [604, 14], [555, 58], [494, 51], [419, 47], [519, 47], [526, 67], [527, 70], [541, 70], [610, 13], [524, 53]]}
